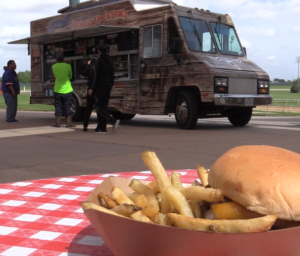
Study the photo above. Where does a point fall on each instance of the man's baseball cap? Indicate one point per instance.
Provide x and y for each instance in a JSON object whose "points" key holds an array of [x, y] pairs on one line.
{"points": [[102, 48]]}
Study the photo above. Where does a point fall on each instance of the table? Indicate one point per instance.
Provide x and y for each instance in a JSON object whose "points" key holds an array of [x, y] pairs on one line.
{"points": [[43, 217]]}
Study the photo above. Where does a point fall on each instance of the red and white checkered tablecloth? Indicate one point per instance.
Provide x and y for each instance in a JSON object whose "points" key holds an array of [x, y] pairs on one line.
{"points": [[44, 218]]}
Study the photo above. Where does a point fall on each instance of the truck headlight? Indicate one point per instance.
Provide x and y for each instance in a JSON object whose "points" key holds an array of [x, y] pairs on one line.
{"points": [[221, 85], [263, 87]]}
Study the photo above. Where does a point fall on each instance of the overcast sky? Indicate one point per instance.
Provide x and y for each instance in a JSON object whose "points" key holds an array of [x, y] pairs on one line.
{"points": [[270, 30]]}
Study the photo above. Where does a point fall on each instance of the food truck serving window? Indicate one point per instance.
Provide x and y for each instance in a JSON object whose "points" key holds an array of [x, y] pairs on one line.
{"points": [[152, 41], [226, 39], [197, 35]]}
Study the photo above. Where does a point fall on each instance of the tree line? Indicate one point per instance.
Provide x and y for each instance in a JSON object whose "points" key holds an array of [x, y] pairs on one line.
{"points": [[281, 81], [24, 77]]}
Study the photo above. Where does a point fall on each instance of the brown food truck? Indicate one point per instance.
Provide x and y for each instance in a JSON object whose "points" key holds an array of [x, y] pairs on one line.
{"points": [[169, 59]]}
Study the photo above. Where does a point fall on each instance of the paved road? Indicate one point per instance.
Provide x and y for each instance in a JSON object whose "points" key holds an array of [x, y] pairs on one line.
{"points": [[32, 149]]}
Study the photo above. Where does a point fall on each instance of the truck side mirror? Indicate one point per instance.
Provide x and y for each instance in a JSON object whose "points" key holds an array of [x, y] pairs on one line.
{"points": [[245, 51], [175, 45]]}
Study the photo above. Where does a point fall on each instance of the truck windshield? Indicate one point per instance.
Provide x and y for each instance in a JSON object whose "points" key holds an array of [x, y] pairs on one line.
{"points": [[197, 35], [226, 39]]}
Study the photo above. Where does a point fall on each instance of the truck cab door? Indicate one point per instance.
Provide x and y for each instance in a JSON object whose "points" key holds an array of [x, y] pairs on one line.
{"points": [[152, 70], [174, 56]]}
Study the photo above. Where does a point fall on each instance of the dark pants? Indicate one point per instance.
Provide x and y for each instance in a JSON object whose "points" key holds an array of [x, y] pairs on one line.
{"points": [[102, 96], [12, 105], [63, 104], [90, 102]]}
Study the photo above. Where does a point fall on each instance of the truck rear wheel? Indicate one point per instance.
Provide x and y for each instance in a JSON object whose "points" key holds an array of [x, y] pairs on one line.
{"points": [[120, 116], [186, 110], [77, 110], [241, 119]]}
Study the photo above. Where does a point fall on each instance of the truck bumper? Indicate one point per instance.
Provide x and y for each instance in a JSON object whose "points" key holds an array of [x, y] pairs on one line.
{"points": [[242, 100]]}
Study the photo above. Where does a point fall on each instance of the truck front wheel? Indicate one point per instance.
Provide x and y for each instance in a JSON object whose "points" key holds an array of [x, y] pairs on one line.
{"points": [[186, 110], [241, 119]]}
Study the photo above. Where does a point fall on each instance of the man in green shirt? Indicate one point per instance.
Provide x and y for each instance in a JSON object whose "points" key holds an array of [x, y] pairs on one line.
{"points": [[62, 90]]}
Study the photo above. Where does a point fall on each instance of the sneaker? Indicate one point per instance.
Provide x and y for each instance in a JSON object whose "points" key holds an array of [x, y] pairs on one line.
{"points": [[115, 126], [17, 121], [85, 129], [12, 122], [99, 131]]}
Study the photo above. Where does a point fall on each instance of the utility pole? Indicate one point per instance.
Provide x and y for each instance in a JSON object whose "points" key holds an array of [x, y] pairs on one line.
{"points": [[298, 61]]}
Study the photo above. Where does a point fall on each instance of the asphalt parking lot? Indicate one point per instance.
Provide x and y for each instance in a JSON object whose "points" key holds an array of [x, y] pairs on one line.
{"points": [[32, 149]]}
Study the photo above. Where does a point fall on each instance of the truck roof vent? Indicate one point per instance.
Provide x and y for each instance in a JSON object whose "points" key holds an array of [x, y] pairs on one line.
{"points": [[73, 2]]}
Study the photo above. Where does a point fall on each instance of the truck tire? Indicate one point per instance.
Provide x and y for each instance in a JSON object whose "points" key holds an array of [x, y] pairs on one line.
{"points": [[77, 110], [241, 119], [186, 110], [120, 116]]}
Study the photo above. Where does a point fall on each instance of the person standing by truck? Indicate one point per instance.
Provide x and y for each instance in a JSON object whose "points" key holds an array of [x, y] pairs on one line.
{"points": [[10, 88], [90, 72], [62, 90], [103, 85]]}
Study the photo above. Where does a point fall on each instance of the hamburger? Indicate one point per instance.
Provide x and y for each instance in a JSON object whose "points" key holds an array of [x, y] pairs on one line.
{"points": [[263, 179]]}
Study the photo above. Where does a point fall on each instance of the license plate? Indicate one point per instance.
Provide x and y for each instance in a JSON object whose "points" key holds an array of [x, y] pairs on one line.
{"points": [[249, 102]]}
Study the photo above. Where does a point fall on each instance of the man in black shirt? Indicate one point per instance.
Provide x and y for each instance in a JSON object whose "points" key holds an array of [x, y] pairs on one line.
{"points": [[90, 72], [102, 87]]}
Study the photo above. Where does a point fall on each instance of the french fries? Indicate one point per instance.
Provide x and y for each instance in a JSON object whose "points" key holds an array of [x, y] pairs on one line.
{"points": [[223, 226], [161, 177], [175, 179], [201, 193], [140, 188], [154, 186], [88, 206], [157, 170], [165, 201], [120, 196], [179, 201], [109, 202], [196, 207], [203, 175], [147, 208], [133, 196], [196, 183], [126, 209], [141, 217], [162, 219]]}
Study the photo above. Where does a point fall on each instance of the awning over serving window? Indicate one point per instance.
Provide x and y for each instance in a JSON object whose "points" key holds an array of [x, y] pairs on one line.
{"points": [[73, 34]]}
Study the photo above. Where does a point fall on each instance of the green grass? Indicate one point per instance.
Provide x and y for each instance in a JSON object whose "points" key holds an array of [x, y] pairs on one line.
{"points": [[286, 87], [285, 98], [282, 84], [24, 104], [285, 95]]}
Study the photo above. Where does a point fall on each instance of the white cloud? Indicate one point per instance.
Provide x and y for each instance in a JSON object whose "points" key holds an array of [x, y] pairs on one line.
{"points": [[24, 11], [32, 5], [243, 9], [261, 32], [256, 12], [296, 29], [270, 32], [9, 32], [245, 43], [295, 6], [272, 57]]}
